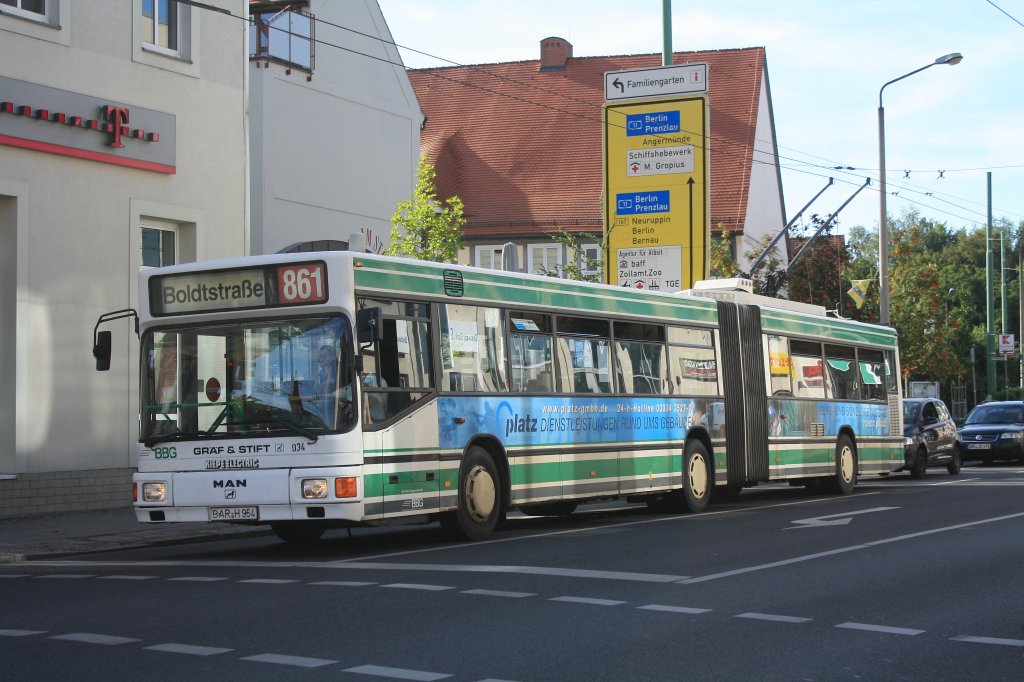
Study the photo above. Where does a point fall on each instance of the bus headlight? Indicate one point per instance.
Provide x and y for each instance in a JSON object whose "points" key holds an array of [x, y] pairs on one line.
{"points": [[154, 492], [314, 488]]}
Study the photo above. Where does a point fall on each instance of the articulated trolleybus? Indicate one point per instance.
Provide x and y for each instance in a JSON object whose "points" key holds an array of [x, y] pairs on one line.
{"points": [[323, 390]]}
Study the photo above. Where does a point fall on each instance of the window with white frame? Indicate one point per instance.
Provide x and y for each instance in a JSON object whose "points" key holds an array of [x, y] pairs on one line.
{"points": [[488, 257], [590, 260], [162, 26], [544, 258], [159, 245], [29, 9]]}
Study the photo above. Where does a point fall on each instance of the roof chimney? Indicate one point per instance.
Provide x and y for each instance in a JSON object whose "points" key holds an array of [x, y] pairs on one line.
{"points": [[554, 53]]}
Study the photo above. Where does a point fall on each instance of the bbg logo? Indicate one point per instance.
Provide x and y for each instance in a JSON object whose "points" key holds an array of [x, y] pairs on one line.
{"points": [[165, 453]]}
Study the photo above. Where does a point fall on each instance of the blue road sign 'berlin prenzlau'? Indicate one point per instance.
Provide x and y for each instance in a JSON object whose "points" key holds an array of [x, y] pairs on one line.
{"points": [[632, 203], [652, 123]]}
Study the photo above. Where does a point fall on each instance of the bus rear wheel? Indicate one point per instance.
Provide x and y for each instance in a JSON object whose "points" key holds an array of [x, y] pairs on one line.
{"points": [[845, 477], [480, 503], [698, 476]]}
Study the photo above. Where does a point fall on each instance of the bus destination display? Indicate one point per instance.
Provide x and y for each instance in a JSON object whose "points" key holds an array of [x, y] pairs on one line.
{"points": [[237, 289]]}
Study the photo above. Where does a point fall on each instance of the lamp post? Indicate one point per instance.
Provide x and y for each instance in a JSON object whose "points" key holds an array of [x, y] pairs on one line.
{"points": [[883, 220]]}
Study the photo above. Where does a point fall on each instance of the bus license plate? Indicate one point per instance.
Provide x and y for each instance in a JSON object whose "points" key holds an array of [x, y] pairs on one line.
{"points": [[979, 446], [234, 513]]}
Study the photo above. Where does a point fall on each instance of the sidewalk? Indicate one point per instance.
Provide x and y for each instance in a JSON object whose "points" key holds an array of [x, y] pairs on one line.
{"points": [[62, 535]]}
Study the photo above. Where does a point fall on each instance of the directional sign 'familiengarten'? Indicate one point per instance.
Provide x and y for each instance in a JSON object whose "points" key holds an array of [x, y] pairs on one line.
{"points": [[682, 79]]}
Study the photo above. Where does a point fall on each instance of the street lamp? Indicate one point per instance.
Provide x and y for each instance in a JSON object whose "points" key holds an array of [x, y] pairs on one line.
{"points": [[883, 220]]}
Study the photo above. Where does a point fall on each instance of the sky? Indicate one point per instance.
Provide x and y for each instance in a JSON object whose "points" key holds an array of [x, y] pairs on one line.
{"points": [[945, 127]]}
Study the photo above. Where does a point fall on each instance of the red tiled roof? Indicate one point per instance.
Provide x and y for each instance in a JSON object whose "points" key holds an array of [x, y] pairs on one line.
{"points": [[522, 147]]}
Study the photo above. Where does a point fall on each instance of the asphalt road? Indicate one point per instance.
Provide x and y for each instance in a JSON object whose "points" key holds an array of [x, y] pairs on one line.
{"points": [[903, 580]]}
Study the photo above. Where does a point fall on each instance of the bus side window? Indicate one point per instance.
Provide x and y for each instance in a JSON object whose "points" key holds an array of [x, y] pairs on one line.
{"points": [[584, 352], [397, 369], [779, 366], [872, 374], [640, 355], [841, 367], [530, 352], [808, 369], [692, 367]]}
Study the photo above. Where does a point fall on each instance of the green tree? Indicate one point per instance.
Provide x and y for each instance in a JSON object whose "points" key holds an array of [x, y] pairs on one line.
{"points": [[425, 227], [918, 308], [818, 277], [722, 262]]}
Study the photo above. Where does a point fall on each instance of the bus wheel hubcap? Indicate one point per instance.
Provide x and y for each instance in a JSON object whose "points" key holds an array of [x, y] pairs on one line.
{"points": [[698, 475], [846, 464], [479, 493]]}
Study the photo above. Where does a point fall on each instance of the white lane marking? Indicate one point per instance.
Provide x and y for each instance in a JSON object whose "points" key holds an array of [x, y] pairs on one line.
{"points": [[94, 638], [774, 617], [127, 577], [20, 633], [518, 570], [880, 628], [688, 518], [954, 482], [499, 593], [343, 583], [190, 649], [419, 586], [835, 519], [69, 576], [842, 550], [397, 673], [298, 661], [267, 581], [988, 640], [196, 579], [15, 575], [673, 609], [588, 600]]}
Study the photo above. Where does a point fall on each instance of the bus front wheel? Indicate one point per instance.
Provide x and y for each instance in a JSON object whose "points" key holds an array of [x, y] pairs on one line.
{"points": [[698, 476], [845, 477], [480, 502]]}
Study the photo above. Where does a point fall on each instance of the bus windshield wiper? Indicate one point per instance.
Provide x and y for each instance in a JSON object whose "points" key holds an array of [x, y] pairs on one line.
{"points": [[295, 428], [150, 441]]}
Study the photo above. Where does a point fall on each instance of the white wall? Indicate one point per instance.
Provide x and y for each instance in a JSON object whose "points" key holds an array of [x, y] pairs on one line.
{"points": [[333, 155], [75, 222], [764, 201]]}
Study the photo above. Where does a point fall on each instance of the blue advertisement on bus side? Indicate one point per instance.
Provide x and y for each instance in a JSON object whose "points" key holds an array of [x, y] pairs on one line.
{"points": [[551, 420]]}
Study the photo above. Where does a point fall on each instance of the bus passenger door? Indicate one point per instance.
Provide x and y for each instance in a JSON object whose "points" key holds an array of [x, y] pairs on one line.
{"points": [[746, 405]]}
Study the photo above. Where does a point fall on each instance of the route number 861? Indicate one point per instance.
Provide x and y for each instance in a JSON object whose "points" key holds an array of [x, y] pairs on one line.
{"points": [[302, 283]]}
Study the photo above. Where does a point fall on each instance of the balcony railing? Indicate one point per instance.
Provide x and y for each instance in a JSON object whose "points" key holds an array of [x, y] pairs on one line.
{"points": [[287, 37]]}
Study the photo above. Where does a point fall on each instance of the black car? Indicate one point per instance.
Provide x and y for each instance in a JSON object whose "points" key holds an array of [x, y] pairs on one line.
{"points": [[929, 437], [995, 431]]}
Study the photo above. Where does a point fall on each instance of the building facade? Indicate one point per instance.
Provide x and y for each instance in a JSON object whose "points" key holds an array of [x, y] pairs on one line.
{"points": [[122, 146], [521, 144], [334, 124]]}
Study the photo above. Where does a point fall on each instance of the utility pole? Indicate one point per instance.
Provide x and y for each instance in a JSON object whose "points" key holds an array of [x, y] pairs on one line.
{"points": [[666, 29], [990, 308]]}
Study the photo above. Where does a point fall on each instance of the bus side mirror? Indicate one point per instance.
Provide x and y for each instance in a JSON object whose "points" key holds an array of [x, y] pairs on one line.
{"points": [[101, 351], [368, 325]]}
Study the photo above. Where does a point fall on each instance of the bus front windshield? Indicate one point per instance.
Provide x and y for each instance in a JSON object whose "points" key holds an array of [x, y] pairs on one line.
{"points": [[248, 378]]}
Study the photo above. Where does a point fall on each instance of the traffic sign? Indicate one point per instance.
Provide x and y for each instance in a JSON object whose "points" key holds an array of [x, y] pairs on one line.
{"points": [[1007, 344], [656, 189], [680, 79]]}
